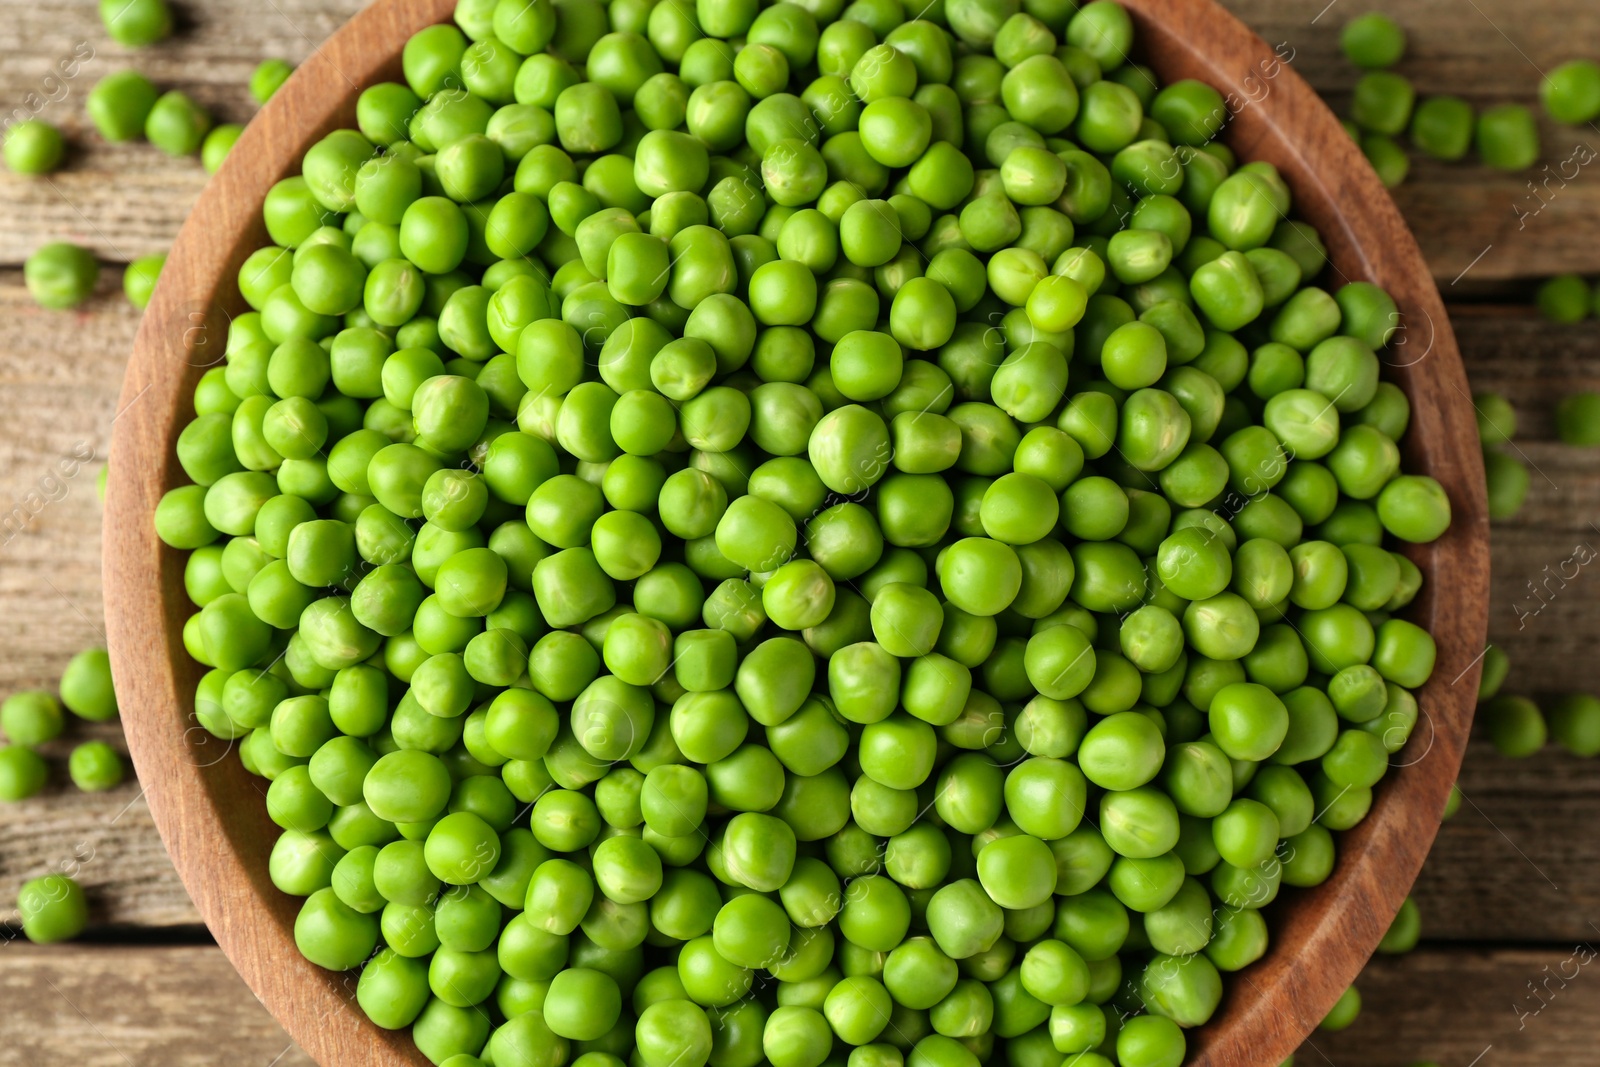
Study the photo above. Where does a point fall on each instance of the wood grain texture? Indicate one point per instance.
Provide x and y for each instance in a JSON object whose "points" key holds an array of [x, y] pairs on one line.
{"points": [[1453, 1006], [1542, 606], [105, 841], [1489, 52], [1514, 864], [125, 201], [105, 1006], [59, 376], [1511, 1007], [212, 822]]}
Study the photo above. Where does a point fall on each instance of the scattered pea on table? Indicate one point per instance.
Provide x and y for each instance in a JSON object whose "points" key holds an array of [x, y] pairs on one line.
{"points": [[119, 104], [1571, 92], [1574, 722], [176, 124], [86, 687], [1373, 41], [1508, 481], [33, 147], [1578, 419], [217, 144], [60, 275], [1564, 299], [136, 23], [53, 908], [31, 718], [1442, 127], [1515, 725], [1497, 419], [23, 772], [268, 78], [94, 766], [1507, 137], [139, 278]]}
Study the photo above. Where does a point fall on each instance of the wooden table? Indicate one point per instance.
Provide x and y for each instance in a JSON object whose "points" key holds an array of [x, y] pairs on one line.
{"points": [[1510, 897]]}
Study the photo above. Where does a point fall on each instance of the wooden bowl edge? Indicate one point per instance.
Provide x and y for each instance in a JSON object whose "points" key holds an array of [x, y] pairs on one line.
{"points": [[187, 783], [1270, 1007]]}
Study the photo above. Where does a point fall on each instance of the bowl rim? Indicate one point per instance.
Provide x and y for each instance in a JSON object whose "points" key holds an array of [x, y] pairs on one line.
{"points": [[208, 811]]}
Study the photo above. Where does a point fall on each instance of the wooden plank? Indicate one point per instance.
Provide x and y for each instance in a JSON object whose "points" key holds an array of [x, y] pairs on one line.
{"points": [[1512, 866], [100, 1006], [112, 1006], [1471, 219], [59, 379], [125, 201], [1542, 611], [60, 374], [106, 841], [1542, 604], [1509, 1007]]}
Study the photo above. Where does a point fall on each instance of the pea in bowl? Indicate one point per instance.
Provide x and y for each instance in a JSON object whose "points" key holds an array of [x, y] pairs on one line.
{"points": [[911, 514]]}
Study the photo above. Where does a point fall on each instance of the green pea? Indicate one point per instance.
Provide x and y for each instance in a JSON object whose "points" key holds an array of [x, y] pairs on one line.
{"points": [[60, 275], [1507, 137], [1572, 723], [33, 147], [1571, 92]]}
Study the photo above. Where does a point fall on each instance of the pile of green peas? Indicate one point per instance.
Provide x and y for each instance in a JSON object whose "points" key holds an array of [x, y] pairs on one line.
{"points": [[786, 534], [60, 275]]}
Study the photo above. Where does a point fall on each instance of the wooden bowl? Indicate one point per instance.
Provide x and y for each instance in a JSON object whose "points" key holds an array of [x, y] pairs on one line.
{"points": [[210, 811]]}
